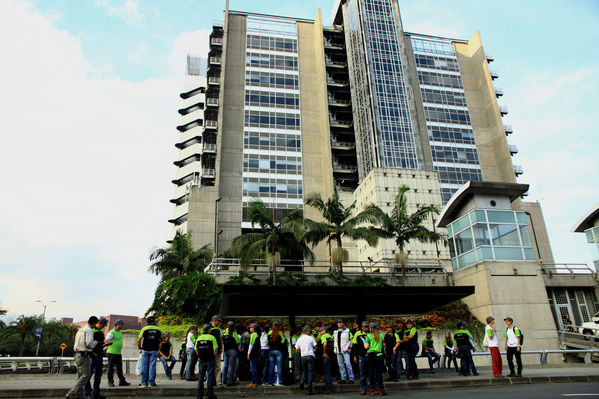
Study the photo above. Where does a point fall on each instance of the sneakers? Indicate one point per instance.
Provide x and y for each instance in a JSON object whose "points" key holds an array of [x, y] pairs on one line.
{"points": [[278, 384], [252, 385], [124, 384], [142, 386], [111, 385]]}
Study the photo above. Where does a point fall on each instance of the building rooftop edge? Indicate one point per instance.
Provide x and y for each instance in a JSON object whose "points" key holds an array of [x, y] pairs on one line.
{"points": [[237, 12], [512, 190], [586, 221]]}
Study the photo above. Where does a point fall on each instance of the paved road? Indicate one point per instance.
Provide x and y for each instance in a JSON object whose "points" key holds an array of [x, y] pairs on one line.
{"points": [[534, 391]]}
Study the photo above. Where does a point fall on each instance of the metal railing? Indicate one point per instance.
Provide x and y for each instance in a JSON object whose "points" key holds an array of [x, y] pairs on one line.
{"points": [[232, 266], [52, 365], [567, 269]]}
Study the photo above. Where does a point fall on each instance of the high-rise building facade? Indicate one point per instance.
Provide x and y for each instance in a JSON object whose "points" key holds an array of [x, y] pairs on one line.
{"points": [[290, 107]]}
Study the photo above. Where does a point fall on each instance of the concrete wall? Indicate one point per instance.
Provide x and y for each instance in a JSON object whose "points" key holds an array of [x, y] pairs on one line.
{"points": [[487, 124], [539, 229], [200, 217], [229, 161], [380, 187], [317, 167], [512, 289]]}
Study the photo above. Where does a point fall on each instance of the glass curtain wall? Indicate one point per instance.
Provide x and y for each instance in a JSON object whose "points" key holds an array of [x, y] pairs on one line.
{"points": [[272, 154], [489, 235], [453, 149], [593, 240]]}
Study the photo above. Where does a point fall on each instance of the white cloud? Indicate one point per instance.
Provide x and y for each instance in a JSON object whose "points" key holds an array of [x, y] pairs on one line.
{"points": [[85, 173], [127, 10], [194, 43]]}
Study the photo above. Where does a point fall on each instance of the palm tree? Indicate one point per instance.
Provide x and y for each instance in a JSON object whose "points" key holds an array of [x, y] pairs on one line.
{"points": [[180, 258], [338, 223], [404, 227], [23, 326], [272, 238]]}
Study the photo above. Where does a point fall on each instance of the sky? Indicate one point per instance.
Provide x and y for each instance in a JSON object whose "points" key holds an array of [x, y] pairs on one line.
{"points": [[89, 94]]}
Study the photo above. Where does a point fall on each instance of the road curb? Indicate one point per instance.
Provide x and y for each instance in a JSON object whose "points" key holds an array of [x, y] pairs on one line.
{"points": [[243, 391]]}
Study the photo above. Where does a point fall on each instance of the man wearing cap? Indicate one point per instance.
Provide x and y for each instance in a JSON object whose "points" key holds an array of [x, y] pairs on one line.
{"points": [[114, 340], [149, 341], [343, 346], [391, 339], [97, 361], [400, 349], [84, 343], [359, 353], [207, 351], [165, 354], [231, 341], [217, 332], [254, 354], [512, 346], [410, 340], [491, 335]]}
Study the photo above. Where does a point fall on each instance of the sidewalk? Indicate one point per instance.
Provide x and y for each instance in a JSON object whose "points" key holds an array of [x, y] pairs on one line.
{"points": [[44, 386]]}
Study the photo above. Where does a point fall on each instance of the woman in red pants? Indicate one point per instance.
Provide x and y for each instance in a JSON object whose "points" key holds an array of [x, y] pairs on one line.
{"points": [[491, 335]]}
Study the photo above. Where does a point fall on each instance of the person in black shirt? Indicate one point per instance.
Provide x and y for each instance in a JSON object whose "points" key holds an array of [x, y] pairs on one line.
{"points": [[390, 357], [148, 341], [399, 347], [97, 361], [359, 353], [165, 354]]}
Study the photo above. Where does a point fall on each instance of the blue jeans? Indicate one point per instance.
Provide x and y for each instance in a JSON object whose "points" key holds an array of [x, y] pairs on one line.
{"points": [[375, 371], [391, 365], [308, 371], [432, 358], [254, 369], [206, 370], [148, 367], [363, 373], [192, 359], [168, 370], [405, 355], [466, 359], [228, 374], [328, 378], [275, 357], [96, 370], [264, 355], [343, 359], [398, 364]]}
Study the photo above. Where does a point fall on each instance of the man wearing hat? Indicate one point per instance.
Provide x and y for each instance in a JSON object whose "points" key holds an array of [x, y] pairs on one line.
{"points": [[343, 345], [512, 346], [491, 336], [97, 361], [115, 341], [463, 340], [217, 332], [231, 341], [149, 341], [84, 343], [359, 353], [410, 340], [207, 351]]}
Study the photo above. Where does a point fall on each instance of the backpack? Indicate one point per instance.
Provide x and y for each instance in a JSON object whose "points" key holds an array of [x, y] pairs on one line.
{"points": [[229, 342], [205, 350], [521, 334]]}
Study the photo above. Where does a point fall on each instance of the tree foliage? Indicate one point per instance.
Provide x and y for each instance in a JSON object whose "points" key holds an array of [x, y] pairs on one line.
{"points": [[193, 295], [179, 258], [19, 339], [339, 222], [285, 238], [403, 226]]}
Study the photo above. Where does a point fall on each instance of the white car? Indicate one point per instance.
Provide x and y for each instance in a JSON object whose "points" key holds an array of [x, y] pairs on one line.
{"points": [[591, 327]]}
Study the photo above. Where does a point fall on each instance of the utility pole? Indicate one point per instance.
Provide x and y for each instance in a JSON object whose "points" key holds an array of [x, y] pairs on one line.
{"points": [[37, 350]]}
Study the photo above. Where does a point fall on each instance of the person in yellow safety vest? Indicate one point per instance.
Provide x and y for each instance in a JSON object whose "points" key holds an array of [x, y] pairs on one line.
{"points": [[115, 360]]}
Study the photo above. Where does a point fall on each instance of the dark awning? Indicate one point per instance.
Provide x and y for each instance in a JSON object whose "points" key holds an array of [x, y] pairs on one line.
{"points": [[307, 301]]}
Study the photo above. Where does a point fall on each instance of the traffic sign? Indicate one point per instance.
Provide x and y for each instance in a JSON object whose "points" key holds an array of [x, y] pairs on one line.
{"points": [[63, 346]]}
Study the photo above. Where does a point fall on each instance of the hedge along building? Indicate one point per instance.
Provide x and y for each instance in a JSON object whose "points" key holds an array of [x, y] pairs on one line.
{"points": [[293, 107]]}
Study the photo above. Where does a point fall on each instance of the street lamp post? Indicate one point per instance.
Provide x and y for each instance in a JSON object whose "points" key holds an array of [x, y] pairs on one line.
{"points": [[216, 201], [37, 350]]}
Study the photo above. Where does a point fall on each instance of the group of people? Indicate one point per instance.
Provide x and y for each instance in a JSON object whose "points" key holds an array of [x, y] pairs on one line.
{"points": [[261, 354]]}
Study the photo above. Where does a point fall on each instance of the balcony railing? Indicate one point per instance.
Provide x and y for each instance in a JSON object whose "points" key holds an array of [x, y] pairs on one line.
{"points": [[498, 92], [508, 129], [217, 41], [209, 147], [206, 172], [513, 148], [344, 167], [212, 102], [333, 82], [215, 60], [342, 144], [335, 122], [503, 110], [330, 44], [490, 57], [211, 124], [212, 80], [518, 170], [335, 101], [494, 74], [330, 62]]}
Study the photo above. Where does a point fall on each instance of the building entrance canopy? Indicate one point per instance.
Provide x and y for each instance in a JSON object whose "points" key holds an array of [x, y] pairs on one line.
{"points": [[307, 301]]}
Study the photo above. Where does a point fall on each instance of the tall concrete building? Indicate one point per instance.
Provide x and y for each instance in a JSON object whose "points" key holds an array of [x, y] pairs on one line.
{"points": [[290, 107]]}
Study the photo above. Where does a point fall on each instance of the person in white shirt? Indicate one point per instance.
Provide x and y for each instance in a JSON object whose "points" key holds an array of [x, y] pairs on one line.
{"points": [[84, 343], [265, 353], [192, 357], [306, 345], [342, 338], [491, 336], [512, 346]]}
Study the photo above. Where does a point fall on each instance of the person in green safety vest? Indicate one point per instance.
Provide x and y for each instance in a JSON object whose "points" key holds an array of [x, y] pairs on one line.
{"points": [[359, 353], [231, 343], [296, 358], [375, 359], [428, 350], [328, 356], [463, 340], [115, 360], [206, 349], [165, 354]]}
